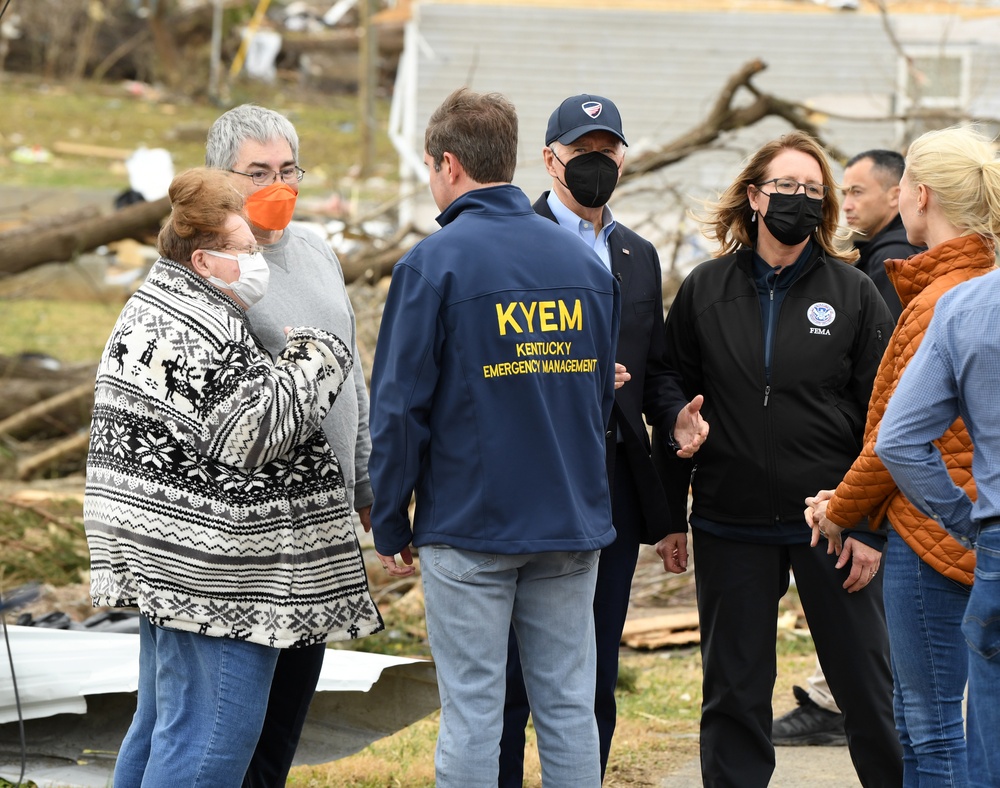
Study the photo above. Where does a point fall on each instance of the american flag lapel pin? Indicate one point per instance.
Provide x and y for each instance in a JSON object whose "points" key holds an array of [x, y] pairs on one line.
{"points": [[626, 251]]}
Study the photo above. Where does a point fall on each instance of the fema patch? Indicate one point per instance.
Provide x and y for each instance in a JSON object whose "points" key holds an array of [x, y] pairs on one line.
{"points": [[821, 314], [592, 108]]}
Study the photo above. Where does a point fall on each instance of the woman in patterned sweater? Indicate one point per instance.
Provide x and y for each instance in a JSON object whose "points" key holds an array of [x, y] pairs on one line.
{"points": [[213, 501]]}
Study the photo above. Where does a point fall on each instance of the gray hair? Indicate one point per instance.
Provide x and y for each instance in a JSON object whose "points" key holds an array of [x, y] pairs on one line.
{"points": [[242, 123]]}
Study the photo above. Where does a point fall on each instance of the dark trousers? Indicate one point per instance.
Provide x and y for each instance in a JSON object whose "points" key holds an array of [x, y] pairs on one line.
{"points": [[614, 584], [292, 690], [739, 585]]}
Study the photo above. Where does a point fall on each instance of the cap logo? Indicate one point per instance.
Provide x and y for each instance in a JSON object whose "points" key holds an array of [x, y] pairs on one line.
{"points": [[592, 108]]}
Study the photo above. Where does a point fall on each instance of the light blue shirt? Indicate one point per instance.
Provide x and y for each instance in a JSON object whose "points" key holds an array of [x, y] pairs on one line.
{"points": [[956, 372], [585, 229]]}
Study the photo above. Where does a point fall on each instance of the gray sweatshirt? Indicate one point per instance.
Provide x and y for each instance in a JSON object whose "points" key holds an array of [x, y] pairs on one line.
{"points": [[307, 289]]}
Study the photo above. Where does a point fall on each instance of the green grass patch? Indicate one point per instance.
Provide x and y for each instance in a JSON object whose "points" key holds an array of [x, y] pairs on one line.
{"points": [[71, 331], [43, 543], [107, 115]]}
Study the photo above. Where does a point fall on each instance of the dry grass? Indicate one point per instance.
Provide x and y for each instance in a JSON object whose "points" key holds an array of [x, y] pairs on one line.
{"points": [[44, 326], [657, 731], [659, 692]]}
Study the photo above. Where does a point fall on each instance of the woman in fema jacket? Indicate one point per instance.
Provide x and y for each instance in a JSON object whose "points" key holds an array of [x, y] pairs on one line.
{"points": [[783, 337]]}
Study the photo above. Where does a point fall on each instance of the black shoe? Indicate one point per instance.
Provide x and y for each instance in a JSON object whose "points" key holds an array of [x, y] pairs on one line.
{"points": [[808, 724]]}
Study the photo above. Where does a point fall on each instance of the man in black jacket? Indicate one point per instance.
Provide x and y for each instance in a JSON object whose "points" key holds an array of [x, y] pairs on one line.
{"points": [[871, 206], [584, 153]]}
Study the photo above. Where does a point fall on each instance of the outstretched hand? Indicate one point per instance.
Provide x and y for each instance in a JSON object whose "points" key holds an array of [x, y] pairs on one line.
{"points": [[690, 429]]}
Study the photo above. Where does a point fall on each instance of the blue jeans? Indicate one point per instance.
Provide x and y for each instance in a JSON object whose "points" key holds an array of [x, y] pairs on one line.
{"points": [[611, 597], [923, 610], [472, 600], [200, 710], [981, 628]]}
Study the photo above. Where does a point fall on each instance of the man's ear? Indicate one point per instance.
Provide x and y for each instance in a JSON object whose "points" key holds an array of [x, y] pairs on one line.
{"points": [[451, 167], [550, 161], [893, 197]]}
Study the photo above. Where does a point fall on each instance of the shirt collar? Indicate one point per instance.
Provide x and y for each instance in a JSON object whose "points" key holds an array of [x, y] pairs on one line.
{"points": [[571, 221]]}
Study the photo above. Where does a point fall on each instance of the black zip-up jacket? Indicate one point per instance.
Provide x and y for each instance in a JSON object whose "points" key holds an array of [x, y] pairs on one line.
{"points": [[654, 389], [889, 243], [772, 443]]}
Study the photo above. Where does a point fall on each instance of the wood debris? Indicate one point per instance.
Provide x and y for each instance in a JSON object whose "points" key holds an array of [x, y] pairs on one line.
{"points": [[664, 629]]}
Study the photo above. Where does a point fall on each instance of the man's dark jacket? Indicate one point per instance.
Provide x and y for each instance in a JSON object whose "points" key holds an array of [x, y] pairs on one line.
{"points": [[889, 243], [654, 389]]}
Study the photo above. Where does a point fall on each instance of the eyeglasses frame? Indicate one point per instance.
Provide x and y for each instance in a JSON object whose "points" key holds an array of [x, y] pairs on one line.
{"points": [[299, 175], [798, 184]]}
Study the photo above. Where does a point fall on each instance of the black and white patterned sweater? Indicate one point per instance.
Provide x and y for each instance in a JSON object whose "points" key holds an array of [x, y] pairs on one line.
{"points": [[213, 501]]}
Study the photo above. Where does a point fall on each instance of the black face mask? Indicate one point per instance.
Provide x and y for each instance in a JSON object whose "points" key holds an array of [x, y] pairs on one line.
{"points": [[590, 178], [792, 218]]}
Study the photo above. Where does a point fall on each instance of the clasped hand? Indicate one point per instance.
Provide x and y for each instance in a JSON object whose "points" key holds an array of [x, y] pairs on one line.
{"points": [[864, 559]]}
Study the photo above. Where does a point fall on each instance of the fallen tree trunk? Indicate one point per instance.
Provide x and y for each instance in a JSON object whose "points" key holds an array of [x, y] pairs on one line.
{"points": [[15, 234], [24, 383], [373, 263], [64, 413], [72, 449], [61, 244]]}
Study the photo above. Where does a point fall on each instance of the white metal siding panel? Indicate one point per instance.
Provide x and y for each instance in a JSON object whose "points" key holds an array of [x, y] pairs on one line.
{"points": [[664, 70]]}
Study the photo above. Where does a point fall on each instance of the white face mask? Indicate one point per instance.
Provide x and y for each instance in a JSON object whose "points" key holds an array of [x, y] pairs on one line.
{"points": [[254, 276]]}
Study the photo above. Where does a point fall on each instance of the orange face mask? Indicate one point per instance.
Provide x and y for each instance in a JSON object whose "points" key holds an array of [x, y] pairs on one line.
{"points": [[271, 208]]}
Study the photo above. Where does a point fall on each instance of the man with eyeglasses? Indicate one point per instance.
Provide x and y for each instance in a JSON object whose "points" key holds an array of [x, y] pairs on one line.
{"points": [[260, 148]]}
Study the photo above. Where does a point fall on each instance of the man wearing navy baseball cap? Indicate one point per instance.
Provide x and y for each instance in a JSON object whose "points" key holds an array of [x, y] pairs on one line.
{"points": [[584, 153], [590, 178]]}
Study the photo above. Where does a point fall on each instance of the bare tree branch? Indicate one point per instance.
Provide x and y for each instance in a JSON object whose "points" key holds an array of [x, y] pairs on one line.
{"points": [[725, 117]]}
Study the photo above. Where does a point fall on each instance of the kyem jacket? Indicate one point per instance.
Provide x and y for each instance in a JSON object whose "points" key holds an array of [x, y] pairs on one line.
{"points": [[492, 386]]}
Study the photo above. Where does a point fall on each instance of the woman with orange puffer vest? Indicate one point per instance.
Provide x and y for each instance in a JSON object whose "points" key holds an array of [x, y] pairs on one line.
{"points": [[928, 574]]}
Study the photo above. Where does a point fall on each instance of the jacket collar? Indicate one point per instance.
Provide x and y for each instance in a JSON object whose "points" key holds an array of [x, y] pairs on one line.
{"points": [[811, 257], [504, 199], [616, 241], [911, 275], [180, 279]]}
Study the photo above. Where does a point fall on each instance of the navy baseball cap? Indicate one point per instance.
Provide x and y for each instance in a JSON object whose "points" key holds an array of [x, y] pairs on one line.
{"points": [[578, 115]]}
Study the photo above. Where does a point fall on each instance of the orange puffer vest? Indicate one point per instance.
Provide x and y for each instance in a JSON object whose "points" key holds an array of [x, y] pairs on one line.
{"points": [[868, 490]]}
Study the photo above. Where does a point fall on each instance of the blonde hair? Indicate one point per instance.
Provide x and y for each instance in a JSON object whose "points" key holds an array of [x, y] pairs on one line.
{"points": [[959, 165], [730, 219], [201, 201]]}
